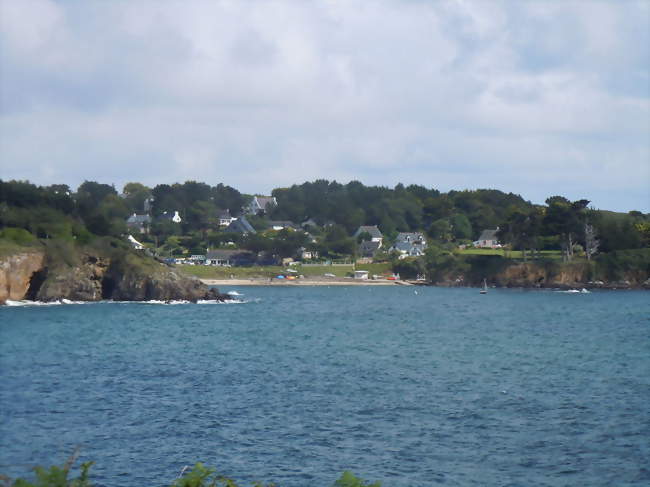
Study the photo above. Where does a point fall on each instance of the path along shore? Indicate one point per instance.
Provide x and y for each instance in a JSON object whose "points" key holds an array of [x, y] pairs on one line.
{"points": [[259, 281]]}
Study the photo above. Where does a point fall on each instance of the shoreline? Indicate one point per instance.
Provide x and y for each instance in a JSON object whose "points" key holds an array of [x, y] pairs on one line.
{"points": [[260, 281], [301, 282]]}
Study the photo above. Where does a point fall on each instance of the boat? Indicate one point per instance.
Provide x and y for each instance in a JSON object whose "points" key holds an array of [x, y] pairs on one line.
{"points": [[484, 288]]}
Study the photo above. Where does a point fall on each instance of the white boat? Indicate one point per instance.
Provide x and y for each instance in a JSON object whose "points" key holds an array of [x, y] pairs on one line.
{"points": [[484, 288]]}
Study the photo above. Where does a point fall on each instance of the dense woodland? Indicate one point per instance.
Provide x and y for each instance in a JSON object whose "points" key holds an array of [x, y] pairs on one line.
{"points": [[449, 220]]}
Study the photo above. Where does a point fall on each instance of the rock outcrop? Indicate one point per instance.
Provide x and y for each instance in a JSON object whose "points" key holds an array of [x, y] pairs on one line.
{"points": [[533, 275], [163, 284], [86, 276], [81, 282], [16, 273]]}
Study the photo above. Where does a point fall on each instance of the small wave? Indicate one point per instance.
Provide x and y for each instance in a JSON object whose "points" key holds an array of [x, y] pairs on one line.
{"points": [[60, 302], [574, 291], [234, 293], [227, 301], [42, 303]]}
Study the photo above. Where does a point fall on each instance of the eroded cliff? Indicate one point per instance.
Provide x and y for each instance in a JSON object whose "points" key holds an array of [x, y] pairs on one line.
{"points": [[67, 272], [17, 271]]}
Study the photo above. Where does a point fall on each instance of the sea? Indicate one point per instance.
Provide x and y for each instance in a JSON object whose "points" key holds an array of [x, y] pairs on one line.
{"points": [[409, 386]]}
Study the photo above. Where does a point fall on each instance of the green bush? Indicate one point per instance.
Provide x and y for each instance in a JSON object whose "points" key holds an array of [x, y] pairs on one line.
{"points": [[17, 235], [198, 476]]}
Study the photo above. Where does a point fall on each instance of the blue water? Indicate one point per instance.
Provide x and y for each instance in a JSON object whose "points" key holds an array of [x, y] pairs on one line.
{"points": [[516, 388]]}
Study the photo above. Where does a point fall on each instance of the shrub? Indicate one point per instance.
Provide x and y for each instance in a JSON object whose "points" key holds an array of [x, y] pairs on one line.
{"points": [[17, 235], [198, 476]]}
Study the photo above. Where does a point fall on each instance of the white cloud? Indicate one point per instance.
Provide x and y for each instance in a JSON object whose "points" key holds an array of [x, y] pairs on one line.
{"points": [[530, 97]]}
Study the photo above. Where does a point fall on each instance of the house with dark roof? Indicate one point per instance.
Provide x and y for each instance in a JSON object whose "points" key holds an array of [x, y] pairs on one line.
{"points": [[373, 231], [241, 225], [488, 239], [409, 244], [225, 218], [138, 223], [368, 248], [261, 204], [309, 222], [229, 257], [306, 254]]}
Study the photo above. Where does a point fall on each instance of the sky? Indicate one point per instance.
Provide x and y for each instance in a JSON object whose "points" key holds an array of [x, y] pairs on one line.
{"points": [[537, 98]]}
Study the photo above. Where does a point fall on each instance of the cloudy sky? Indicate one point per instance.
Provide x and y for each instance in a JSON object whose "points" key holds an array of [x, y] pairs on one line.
{"points": [[537, 98]]}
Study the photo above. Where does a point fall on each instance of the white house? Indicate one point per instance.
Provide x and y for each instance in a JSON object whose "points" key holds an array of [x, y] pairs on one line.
{"points": [[361, 275], [225, 218], [134, 243], [261, 204], [488, 239], [176, 217], [410, 244]]}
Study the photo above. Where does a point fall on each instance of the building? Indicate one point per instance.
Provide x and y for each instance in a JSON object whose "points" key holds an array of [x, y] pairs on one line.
{"points": [[373, 231], [241, 225], [261, 204], [138, 223], [409, 244], [280, 225], [225, 218], [488, 239], [134, 243], [361, 275], [229, 257], [168, 216], [368, 249], [306, 254]]}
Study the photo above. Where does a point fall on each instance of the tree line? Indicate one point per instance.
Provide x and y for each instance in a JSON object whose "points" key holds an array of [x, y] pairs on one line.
{"points": [[334, 210]]}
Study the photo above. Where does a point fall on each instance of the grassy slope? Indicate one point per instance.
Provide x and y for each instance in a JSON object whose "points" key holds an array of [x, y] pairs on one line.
{"points": [[209, 272], [511, 254], [9, 247]]}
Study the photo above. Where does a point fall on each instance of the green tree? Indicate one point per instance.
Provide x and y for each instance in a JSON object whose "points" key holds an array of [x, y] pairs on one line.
{"points": [[135, 194], [440, 230], [461, 227]]}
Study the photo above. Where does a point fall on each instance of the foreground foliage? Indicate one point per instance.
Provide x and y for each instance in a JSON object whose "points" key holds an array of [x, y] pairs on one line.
{"points": [[198, 476]]}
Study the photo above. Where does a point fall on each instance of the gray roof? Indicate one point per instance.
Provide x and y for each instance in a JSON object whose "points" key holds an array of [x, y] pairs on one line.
{"points": [[368, 248], [409, 248], [373, 230], [138, 219], [224, 214], [409, 237], [264, 201], [241, 225], [489, 235], [309, 221]]}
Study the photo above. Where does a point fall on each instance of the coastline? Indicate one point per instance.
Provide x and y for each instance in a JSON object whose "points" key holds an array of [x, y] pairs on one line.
{"points": [[260, 281]]}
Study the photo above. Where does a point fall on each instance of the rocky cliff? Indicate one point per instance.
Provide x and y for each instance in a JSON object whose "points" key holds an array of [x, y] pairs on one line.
{"points": [[16, 272], [546, 275], [67, 272]]}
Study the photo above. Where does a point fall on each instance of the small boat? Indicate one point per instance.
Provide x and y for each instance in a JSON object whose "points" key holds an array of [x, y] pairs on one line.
{"points": [[484, 288]]}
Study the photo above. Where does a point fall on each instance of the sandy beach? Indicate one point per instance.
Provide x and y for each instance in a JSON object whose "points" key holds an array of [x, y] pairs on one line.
{"points": [[301, 282]]}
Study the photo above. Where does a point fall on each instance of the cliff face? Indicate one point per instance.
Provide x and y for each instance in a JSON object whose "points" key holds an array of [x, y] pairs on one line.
{"points": [[545, 275], [88, 276], [123, 282], [82, 282], [16, 272], [533, 275]]}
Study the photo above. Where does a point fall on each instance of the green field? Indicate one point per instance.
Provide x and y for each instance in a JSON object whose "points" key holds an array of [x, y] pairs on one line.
{"points": [[510, 254]]}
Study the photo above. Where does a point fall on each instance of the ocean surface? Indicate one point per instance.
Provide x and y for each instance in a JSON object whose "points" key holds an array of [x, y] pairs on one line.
{"points": [[412, 387]]}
